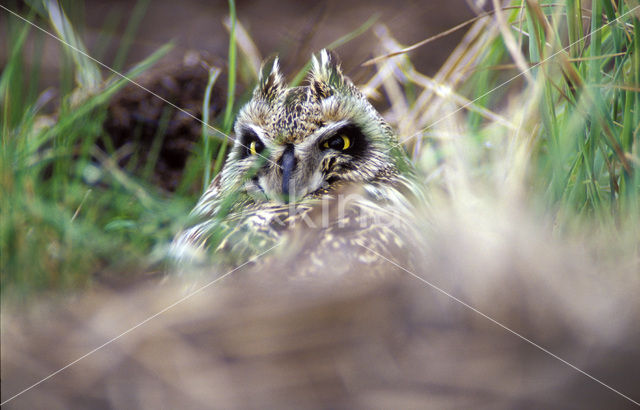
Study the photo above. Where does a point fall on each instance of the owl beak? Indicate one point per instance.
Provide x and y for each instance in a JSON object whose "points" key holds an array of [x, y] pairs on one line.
{"points": [[288, 165]]}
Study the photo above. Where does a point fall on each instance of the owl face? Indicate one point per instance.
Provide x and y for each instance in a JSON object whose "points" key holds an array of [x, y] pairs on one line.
{"points": [[293, 142]]}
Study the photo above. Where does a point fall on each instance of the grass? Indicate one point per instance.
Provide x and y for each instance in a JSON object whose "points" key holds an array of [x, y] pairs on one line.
{"points": [[561, 137], [563, 95], [231, 88], [68, 209]]}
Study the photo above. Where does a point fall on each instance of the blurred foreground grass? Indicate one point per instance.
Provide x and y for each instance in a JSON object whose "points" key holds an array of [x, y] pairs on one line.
{"points": [[540, 110]]}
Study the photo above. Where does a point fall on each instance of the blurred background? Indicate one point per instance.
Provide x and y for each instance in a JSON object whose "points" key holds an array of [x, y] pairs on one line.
{"points": [[292, 29]]}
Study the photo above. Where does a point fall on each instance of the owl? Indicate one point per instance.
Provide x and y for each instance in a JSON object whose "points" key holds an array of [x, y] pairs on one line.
{"points": [[314, 168]]}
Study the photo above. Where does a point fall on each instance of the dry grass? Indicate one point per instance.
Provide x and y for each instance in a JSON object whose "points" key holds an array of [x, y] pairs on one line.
{"points": [[258, 339]]}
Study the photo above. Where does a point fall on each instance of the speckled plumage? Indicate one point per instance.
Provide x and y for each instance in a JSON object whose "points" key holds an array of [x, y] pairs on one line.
{"points": [[284, 183]]}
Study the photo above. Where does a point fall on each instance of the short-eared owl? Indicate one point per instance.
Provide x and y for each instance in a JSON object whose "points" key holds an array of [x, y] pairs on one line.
{"points": [[314, 167]]}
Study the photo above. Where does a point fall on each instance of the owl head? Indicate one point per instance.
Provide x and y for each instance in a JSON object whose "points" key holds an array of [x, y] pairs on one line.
{"points": [[295, 142]]}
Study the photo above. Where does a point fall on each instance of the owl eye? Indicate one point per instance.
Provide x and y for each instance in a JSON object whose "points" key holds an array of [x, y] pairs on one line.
{"points": [[255, 147], [250, 143], [349, 139], [338, 142]]}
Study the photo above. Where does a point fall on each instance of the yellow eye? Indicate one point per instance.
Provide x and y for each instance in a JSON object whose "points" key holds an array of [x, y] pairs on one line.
{"points": [[339, 143], [252, 148], [347, 142]]}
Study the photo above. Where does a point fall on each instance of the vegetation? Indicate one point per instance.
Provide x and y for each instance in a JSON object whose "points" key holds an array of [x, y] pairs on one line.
{"points": [[543, 108]]}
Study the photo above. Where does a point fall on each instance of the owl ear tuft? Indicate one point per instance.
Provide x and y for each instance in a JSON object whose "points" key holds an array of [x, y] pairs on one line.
{"points": [[325, 76], [270, 81]]}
